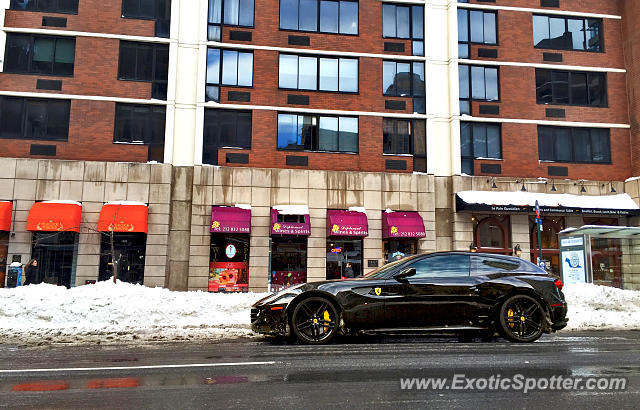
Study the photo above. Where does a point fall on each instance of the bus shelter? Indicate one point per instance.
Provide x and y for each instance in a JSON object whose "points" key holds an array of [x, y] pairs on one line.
{"points": [[603, 255]]}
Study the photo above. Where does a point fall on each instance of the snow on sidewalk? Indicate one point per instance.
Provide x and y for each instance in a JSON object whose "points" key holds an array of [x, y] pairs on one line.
{"points": [[110, 313]]}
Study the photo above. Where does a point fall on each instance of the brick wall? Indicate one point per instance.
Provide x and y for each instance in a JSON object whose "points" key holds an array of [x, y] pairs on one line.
{"points": [[631, 34]]}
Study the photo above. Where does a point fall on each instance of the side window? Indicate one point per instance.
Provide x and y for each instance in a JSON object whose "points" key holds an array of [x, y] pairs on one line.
{"points": [[488, 264], [442, 265]]}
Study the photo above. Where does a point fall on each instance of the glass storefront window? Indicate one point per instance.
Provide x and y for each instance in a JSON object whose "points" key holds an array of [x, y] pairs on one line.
{"points": [[396, 249], [229, 263], [55, 253], [129, 251], [344, 258], [550, 243], [606, 256], [492, 233], [288, 261]]}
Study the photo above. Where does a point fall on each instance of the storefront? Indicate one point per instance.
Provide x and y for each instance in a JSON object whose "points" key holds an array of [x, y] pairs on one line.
{"points": [[550, 251], [229, 249], [123, 225], [55, 226], [6, 209], [345, 230], [492, 234], [588, 257], [290, 227], [400, 233]]}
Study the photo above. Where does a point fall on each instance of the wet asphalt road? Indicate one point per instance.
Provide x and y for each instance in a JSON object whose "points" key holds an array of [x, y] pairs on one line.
{"points": [[358, 373]]}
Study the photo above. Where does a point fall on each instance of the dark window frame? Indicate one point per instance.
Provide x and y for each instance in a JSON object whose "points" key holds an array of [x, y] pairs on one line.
{"points": [[318, 57], [317, 133], [222, 22], [566, 26], [32, 38], [470, 97], [472, 158], [469, 42], [573, 144], [158, 16], [419, 39], [395, 145], [588, 75], [212, 149], [51, 9], [156, 48], [25, 118], [118, 116], [317, 30], [412, 92], [221, 65]]}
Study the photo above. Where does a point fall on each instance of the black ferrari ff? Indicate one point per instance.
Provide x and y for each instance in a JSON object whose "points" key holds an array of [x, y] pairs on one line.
{"points": [[444, 291]]}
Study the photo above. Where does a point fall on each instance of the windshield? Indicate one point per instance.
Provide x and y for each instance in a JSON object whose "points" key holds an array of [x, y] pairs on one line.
{"points": [[383, 271]]}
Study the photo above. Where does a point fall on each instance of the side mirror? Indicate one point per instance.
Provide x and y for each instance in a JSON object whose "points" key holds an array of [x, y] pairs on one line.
{"points": [[404, 274]]}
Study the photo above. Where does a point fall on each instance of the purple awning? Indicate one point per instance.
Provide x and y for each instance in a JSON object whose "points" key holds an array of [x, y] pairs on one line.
{"points": [[347, 223], [230, 219], [402, 225], [289, 224]]}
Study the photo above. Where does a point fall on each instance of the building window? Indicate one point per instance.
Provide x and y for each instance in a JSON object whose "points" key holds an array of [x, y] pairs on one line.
{"points": [[237, 13], [143, 125], [158, 10], [475, 27], [317, 133], [477, 83], [145, 62], [227, 67], [225, 129], [318, 73], [567, 33], [401, 136], [571, 88], [34, 118], [30, 54], [325, 16], [567, 144], [492, 234], [404, 22], [403, 79], [479, 140], [51, 6]]}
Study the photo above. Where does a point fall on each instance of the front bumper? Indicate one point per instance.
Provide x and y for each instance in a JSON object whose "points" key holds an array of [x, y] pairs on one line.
{"points": [[266, 321]]}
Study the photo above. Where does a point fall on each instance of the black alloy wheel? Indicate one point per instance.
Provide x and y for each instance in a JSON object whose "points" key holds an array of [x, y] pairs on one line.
{"points": [[522, 319], [315, 321]]}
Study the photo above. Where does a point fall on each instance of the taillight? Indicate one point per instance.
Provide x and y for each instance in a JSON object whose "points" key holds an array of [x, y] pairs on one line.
{"points": [[558, 284]]}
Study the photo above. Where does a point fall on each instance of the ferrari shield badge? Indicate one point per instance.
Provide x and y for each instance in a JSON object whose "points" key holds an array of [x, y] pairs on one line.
{"points": [[378, 291]]}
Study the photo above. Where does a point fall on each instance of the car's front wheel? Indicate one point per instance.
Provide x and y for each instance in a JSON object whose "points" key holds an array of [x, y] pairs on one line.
{"points": [[314, 320], [522, 319]]}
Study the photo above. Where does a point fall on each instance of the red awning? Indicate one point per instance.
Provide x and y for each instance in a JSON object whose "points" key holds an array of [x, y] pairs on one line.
{"points": [[347, 223], [54, 216], [6, 209], [402, 225], [123, 217]]}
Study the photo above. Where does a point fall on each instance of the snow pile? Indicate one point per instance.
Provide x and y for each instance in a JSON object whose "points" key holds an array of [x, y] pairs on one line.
{"points": [[601, 307], [108, 312]]}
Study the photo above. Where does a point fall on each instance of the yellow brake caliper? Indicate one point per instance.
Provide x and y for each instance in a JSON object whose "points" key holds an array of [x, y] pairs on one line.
{"points": [[510, 315], [328, 319]]}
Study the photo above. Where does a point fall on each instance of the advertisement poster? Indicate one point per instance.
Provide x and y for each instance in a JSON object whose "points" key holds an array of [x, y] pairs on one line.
{"points": [[573, 270], [228, 277]]}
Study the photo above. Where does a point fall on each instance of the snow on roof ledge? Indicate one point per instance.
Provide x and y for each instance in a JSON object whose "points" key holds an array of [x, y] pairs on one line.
{"points": [[619, 201], [61, 201], [292, 209], [243, 206], [125, 203], [360, 209]]}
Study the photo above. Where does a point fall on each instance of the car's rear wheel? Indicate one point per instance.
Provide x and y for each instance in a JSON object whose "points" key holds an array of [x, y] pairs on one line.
{"points": [[315, 320], [522, 319]]}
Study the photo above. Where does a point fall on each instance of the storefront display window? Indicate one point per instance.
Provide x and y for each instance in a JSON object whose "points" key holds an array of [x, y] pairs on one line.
{"points": [[229, 263], [288, 261], [606, 255], [396, 249], [550, 244], [55, 253], [492, 233], [129, 253], [344, 258]]}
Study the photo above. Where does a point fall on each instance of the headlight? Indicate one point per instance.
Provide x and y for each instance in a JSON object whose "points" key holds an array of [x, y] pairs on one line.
{"points": [[280, 295]]}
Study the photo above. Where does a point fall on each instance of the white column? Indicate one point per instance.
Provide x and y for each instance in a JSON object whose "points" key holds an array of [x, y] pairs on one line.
{"points": [[4, 4]]}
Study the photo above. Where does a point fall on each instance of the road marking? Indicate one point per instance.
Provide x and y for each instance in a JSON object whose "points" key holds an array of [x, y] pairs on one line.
{"points": [[160, 366], [41, 386]]}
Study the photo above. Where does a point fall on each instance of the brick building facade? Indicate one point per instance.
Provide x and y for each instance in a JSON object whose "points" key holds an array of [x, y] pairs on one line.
{"points": [[206, 88]]}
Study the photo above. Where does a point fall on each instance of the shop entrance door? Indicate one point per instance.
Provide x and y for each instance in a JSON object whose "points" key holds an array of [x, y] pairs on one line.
{"points": [[130, 250], [288, 261], [344, 258], [54, 252]]}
